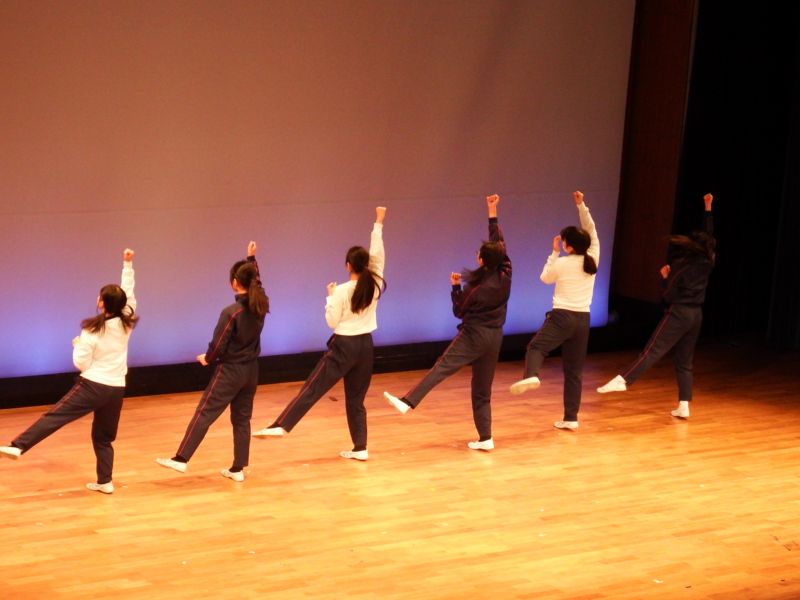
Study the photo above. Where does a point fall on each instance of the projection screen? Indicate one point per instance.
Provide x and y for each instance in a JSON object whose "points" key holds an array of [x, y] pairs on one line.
{"points": [[184, 129]]}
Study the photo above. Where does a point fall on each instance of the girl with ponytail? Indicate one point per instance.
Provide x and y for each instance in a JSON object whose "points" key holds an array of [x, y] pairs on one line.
{"points": [[100, 353], [350, 310], [233, 352], [481, 305], [567, 325], [690, 261]]}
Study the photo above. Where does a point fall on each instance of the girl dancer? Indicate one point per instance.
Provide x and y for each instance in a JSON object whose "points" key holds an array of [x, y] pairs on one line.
{"points": [[350, 310], [100, 353], [685, 280], [481, 306], [233, 351], [567, 325]]}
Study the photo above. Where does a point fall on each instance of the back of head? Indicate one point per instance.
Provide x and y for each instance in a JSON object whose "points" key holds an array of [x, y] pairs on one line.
{"points": [[579, 240], [706, 242], [492, 255], [696, 243], [358, 259], [114, 299]]}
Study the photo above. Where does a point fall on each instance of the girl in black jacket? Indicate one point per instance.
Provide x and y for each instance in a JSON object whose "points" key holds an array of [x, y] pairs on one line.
{"points": [[691, 259], [481, 305], [234, 352]]}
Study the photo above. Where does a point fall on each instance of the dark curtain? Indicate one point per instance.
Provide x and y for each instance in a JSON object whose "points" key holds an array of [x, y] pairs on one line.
{"points": [[742, 143]]}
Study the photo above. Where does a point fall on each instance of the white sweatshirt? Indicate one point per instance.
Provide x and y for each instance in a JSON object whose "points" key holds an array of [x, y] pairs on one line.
{"points": [[103, 357], [574, 287], [337, 306]]}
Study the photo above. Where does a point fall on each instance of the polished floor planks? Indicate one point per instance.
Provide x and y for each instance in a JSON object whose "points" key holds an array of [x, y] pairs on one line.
{"points": [[635, 504]]}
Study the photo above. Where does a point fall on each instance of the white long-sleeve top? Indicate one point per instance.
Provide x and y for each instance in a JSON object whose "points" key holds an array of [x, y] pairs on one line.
{"points": [[574, 287], [337, 306], [103, 357]]}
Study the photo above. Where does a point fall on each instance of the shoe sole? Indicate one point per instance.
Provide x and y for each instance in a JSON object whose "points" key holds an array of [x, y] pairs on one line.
{"points": [[398, 404], [171, 467], [9, 456], [354, 458], [521, 388], [267, 435]]}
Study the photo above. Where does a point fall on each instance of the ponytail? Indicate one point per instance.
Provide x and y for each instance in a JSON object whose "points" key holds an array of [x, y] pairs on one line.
{"points": [[589, 265], [367, 284], [257, 300], [246, 273]]}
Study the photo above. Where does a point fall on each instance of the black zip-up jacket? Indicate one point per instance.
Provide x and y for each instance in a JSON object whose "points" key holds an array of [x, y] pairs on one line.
{"points": [[485, 304], [688, 273], [237, 336]]}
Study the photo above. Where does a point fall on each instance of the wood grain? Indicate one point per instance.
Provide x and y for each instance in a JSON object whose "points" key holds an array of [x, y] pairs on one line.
{"points": [[635, 504]]}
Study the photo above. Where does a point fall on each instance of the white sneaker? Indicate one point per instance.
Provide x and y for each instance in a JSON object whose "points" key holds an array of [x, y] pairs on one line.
{"points": [[269, 432], [11, 452], [618, 384], [401, 406], [172, 464], [682, 412], [523, 385], [105, 488], [354, 454], [236, 476], [572, 425], [485, 445]]}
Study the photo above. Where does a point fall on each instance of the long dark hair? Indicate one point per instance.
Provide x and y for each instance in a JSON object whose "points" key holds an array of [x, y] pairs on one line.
{"points": [[697, 243], [579, 240], [114, 302], [367, 284], [492, 255], [246, 274]]}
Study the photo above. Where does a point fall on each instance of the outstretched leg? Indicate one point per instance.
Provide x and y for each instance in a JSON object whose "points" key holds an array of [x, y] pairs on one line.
{"points": [[80, 400], [463, 350]]}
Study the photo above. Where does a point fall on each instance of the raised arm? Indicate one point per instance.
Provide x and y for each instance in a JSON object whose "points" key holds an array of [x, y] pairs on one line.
{"points": [[251, 257], [377, 253], [496, 233], [708, 219], [127, 281], [587, 224]]}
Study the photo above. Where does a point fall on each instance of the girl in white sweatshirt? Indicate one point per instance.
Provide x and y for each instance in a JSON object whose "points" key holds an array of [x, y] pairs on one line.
{"points": [[350, 310], [567, 325], [100, 353]]}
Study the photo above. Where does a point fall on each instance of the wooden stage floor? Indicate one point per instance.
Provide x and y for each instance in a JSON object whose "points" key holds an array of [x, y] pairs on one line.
{"points": [[633, 505]]}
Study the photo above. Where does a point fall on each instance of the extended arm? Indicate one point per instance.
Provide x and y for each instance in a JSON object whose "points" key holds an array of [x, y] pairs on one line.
{"points": [[708, 219], [496, 233], [587, 224], [377, 253], [251, 257], [127, 282]]}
